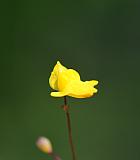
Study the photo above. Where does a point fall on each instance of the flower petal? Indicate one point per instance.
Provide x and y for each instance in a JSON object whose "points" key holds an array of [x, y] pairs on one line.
{"points": [[80, 89], [65, 78], [58, 94], [92, 82], [53, 80]]}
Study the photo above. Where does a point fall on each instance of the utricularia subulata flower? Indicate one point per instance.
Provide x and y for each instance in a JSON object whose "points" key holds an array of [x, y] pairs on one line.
{"points": [[67, 82]]}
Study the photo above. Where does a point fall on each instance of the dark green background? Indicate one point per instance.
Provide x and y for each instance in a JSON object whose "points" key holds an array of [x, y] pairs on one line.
{"points": [[101, 40]]}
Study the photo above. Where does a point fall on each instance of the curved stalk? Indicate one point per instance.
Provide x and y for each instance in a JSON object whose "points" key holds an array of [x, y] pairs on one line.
{"points": [[66, 109]]}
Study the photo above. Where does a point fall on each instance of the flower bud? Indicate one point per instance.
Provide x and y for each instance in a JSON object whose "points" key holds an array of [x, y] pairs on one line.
{"points": [[44, 145]]}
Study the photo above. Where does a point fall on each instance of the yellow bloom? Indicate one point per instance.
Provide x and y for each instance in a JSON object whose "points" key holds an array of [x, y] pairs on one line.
{"points": [[67, 82]]}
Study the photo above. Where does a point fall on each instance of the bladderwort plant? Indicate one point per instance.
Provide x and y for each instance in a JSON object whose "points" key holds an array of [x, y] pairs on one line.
{"points": [[66, 82]]}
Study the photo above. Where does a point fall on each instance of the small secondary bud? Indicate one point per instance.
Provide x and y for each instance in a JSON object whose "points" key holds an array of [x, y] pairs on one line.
{"points": [[44, 145]]}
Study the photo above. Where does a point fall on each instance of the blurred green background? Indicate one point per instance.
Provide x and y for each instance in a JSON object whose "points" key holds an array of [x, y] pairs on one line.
{"points": [[100, 39]]}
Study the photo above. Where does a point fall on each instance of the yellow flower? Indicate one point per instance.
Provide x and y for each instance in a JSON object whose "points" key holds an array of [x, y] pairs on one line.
{"points": [[67, 82]]}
